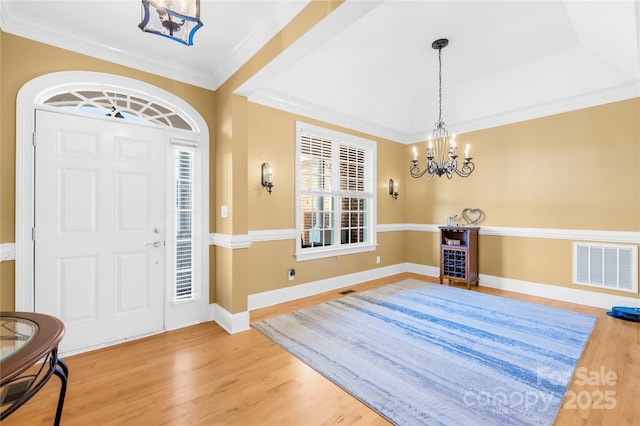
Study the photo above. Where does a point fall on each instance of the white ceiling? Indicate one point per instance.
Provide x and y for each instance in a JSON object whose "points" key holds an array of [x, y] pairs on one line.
{"points": [[369, 65]]}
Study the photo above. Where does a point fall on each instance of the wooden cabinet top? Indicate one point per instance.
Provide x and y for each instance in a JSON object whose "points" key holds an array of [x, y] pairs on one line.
{"points": [[459, 228]]}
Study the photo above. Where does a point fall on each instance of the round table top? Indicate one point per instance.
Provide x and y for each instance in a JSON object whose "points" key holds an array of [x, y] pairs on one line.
{"points": [[25, 337], [14, 334]]}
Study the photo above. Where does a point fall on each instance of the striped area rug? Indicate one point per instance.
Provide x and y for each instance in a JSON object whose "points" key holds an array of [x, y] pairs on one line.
{"points": [[420, 353]]}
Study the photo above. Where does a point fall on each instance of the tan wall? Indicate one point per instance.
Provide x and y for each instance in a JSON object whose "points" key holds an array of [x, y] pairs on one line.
{"points": [[23, 60], [272, 140], [7, 277], [234, 188], [577, 170]]}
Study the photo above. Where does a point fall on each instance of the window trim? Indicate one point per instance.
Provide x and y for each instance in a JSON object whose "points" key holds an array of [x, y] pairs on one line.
{"points": [[370, 147]]}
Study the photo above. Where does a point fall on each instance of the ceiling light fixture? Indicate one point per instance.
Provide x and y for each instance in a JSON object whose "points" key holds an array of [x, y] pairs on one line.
{"points": [[441, 151], [175, 19]]}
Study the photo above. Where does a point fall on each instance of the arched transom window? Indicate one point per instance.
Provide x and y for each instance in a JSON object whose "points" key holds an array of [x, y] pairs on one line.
{"points": [[120, 105]]}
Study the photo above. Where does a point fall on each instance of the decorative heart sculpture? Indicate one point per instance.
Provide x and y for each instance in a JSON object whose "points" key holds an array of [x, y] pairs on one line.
{"points": [[472, 216]]}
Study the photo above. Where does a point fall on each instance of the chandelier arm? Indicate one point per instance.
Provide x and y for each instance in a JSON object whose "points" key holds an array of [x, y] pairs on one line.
{"points": [[467, 168], [414, 170]]}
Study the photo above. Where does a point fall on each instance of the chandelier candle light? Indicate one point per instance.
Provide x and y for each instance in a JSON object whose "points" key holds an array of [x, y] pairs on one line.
{"points": [[442, 154]]}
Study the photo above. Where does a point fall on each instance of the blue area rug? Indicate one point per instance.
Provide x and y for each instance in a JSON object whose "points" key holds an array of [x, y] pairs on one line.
{"points": [[420, 353]]}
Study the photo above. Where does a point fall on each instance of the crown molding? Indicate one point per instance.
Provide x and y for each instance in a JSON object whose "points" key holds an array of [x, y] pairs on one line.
{"points": [[586, 100], [296, 106], [15, 25], [306, 109]]}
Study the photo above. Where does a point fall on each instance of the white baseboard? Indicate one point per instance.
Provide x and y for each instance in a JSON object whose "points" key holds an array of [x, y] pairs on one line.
{"points": [[234, 323], [429, 271], [565, 294], [287, 294]]}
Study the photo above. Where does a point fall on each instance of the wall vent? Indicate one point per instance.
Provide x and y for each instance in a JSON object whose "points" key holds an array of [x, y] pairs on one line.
{"points": [[606, 266]]}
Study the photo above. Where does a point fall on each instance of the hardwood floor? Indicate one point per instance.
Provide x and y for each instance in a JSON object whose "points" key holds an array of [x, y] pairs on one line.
{"points": [[201, 375]]}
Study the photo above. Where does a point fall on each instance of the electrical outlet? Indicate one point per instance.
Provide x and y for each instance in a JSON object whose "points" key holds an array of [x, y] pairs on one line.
{"points": [[378, 259], [292, 274]]}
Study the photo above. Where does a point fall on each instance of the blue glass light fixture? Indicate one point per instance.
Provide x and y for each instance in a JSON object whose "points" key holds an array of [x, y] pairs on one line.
{"points": [[175, 19]]}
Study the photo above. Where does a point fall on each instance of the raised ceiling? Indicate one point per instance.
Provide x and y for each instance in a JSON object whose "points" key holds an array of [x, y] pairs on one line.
{"points": [[369, 65]]}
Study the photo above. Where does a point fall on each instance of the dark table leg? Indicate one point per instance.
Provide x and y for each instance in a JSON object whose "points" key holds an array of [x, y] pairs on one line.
{"points": [[62, 371]]}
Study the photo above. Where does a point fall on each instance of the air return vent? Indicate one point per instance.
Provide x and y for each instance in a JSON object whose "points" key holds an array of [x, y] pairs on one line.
{"points": [[606, 266]]}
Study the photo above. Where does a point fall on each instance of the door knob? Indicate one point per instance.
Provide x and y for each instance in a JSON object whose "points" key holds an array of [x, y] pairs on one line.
{"points": [[154, 244]]}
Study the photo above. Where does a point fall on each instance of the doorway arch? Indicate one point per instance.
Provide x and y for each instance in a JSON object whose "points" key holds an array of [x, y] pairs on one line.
{"points": [[34, 95]]}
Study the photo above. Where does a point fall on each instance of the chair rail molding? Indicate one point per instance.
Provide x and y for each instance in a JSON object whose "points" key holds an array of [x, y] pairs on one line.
{"points": [[7, 252]]}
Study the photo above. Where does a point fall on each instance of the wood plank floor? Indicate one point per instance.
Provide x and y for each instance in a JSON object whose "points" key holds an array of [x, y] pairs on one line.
{"points": [[201, 375]]}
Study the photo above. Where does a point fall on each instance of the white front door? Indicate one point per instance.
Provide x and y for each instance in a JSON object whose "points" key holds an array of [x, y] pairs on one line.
{"points": [[99, 227]]}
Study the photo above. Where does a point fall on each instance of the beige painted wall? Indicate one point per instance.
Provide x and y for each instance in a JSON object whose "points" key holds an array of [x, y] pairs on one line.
{"points": [[554, 172], [541, 173], [233, 186], [23, 60], [271, 135], [577, 170]]}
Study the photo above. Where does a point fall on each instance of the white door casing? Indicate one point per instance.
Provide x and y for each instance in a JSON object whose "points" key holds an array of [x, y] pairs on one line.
{"points": [[99, 227], [31, 97]]}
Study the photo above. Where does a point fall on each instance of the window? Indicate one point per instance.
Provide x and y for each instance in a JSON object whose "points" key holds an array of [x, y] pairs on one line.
{"points": [[335, 194], [184, 245]]}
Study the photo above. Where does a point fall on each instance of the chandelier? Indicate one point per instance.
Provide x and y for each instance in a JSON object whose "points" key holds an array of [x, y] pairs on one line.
{"points": [[175, 19], [442, 156]]}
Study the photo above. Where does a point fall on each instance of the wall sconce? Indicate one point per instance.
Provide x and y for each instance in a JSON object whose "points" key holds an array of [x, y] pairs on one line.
{"points": [[267, 177], [393, 189]]}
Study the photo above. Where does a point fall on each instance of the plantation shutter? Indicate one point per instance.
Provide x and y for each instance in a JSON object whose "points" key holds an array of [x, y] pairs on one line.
{"points": [[354, 198], [185, 286], [316, 163], [316, 196]]}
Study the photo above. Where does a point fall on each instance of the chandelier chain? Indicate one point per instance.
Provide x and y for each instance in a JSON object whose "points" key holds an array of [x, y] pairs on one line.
{"points": [[440, 123]]}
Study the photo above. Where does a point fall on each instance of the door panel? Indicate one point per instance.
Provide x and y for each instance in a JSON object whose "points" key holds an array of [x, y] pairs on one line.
{"points": [[131, 202], [99, 206], [131, 269], [78, 291], [77, 201]]}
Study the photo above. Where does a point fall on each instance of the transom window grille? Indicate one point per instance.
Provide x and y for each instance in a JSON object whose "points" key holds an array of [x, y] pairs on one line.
{"points": [[335, 193], [120, 105], [184, 247]]}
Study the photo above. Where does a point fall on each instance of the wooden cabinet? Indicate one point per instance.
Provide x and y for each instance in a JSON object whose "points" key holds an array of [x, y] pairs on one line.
{"points": [[459, 254]]}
